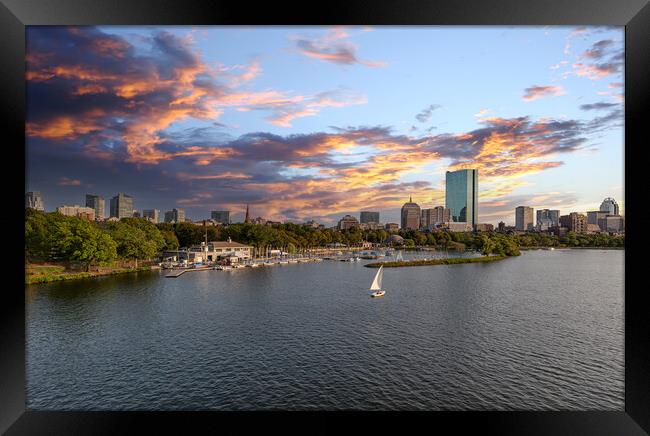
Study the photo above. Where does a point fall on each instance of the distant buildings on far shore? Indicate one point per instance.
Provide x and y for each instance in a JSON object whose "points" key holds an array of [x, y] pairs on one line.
{"points": [[605, 220]]}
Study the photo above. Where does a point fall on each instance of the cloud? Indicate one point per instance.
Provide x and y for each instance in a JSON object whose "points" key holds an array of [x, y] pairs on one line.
{"points": [[65, 181], [604, 58], [426, 113], [534, 92], [598, 106], [333, 47], [109, 96]]}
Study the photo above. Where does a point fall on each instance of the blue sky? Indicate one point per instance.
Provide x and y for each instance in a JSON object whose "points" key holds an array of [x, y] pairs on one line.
{"points": [[318, 122]]}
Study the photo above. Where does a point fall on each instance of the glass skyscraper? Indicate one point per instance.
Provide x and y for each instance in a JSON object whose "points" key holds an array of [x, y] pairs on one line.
{"points": [[461, 195]]}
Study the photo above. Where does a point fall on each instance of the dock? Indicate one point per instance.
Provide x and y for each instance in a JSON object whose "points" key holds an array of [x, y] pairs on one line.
{"points": [[175, 274]]}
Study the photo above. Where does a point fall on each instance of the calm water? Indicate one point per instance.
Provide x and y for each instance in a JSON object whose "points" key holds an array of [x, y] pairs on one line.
{"points": [[540, 331]]}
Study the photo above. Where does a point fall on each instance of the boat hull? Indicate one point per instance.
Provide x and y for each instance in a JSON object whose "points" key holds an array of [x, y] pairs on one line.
{"points": [[377, 294]]}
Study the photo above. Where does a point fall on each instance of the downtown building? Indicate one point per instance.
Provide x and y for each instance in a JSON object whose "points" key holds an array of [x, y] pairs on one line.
{"points": [[410, 216], [78, 211], [524, 218], [34, 200], [175, 216], [152, 215], [98, 204], [348, 222], [391, 227], [547, 218], [574, 222], [610, 206], [121, 206], [366, 217], [461, 196], [432, 217], [221, 216]]}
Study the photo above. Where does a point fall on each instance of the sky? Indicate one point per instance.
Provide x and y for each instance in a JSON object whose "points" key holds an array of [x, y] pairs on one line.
{"points": [[317, 122]]}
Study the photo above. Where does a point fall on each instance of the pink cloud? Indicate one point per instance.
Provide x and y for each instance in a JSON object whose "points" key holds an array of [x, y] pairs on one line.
{"points": [[535, 92]]}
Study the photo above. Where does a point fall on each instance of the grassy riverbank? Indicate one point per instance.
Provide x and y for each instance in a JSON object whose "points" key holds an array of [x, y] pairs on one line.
{"points": [[53, 273], [448, 261]]}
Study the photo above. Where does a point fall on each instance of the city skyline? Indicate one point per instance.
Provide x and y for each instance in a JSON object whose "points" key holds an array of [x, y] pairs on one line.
{"points": [[293, 120]]}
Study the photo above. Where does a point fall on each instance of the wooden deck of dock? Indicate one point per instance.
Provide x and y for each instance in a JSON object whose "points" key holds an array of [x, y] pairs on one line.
{"points": [[176, 273]]}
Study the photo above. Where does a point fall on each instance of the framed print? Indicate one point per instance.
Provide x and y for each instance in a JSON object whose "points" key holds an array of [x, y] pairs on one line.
{"points": [[361, 217]]}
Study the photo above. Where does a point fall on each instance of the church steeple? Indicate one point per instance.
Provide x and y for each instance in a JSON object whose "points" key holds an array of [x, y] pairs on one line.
{"points": [[410, 199], [247, 219]]}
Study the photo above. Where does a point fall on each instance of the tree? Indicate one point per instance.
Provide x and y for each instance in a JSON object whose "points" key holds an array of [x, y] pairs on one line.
{"points": [[132, 242]]}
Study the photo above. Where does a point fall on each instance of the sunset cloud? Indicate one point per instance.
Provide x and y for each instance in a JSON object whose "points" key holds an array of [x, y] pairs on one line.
{"points": [[333, 47], [65, 181], [534, 92], [426, 113]]}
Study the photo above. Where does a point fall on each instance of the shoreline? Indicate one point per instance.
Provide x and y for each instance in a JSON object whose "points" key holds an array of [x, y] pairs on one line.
{"points": [[448, 261], [35, 280]]}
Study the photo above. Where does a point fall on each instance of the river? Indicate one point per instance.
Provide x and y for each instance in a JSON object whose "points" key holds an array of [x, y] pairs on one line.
{"points": [[542, 331]]}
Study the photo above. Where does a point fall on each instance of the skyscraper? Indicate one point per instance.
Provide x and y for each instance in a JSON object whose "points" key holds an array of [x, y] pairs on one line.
{"points": [[175, 216], [98, 204], [152, 215], [34, 201], [547, 218], [610, 206], [410, 215], [122, 206], [524, 218], [221, 216], [369, 217], [461, 195]]}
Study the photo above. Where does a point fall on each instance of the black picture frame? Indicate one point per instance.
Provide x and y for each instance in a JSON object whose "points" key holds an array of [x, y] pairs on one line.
{"points": [[633, 14]]}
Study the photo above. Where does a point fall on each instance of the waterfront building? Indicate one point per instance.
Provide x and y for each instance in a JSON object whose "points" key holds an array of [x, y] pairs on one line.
{"points": [[574, 222], [410, 215], [369, 217], [136, 214], [392, 227], [259, 220], [484, 227], [78, 211], [175, 216], [152, 215], [592, 228], [502, 226], [610, 206], [614, 224], [348, 222], [547, 218], [221, 216], [214, 251], [524, 218], [121, 206], [34, 200], [98, 204], [461, 195]]}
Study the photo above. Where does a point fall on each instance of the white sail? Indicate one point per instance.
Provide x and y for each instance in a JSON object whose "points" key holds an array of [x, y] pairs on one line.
{"points": [[399, 257], [376, 283]]}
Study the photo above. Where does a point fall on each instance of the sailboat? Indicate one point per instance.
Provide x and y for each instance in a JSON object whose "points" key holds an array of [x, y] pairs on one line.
{"points": [[399, 257], [376, 284]]}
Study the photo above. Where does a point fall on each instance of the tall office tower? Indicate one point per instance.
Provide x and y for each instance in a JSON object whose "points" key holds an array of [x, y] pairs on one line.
{"points": [[410, 215], [175, 216], [152, 215], [98, 204], [34, 200], [221, 216], [547, 218], [610, 206], [461, 195], [121, 206], [369, 217], [524, 218]]}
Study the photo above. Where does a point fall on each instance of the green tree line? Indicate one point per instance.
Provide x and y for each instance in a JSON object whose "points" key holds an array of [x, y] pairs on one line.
{"points": [[54, 237]]}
